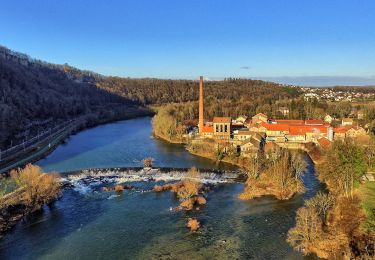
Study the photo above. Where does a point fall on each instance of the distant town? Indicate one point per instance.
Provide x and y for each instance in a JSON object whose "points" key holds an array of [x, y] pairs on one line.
{"points": [[331, 94]]}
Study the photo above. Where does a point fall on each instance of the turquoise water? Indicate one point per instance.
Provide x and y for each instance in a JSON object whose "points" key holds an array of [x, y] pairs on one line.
{"points": [[139, 225], [123, 143]]}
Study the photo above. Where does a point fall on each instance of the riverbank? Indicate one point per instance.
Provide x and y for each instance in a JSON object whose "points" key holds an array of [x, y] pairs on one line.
{"points": [[43, 150], [33, 190], [166, 139]]}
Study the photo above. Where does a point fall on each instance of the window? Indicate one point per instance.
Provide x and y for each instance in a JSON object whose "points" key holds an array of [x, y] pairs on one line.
{"points": [[225, 128], [221, 128], [217, 128]]}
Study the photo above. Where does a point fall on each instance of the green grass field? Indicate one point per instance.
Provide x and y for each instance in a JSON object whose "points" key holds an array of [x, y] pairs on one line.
{"points": [[367, 192]]}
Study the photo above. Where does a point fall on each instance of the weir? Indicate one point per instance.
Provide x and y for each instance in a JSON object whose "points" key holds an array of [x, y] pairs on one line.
{"points": [[97, 176]]}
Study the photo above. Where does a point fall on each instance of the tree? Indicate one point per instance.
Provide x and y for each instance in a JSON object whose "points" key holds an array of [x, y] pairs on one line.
{"points": [[343, 167], [307, 232], [147, 162], [322, 203], [191, 185], [37, 187]]}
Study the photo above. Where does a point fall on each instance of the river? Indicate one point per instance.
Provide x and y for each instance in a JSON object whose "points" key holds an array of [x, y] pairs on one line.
{"points": [[139, 225]]}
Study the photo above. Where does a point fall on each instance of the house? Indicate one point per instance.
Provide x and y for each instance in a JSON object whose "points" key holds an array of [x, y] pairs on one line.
{"points": [[259, 128], [250, 147], [339, 133], [276, 131], [222, 127], [241, 119], [284, 111], [328, 119], [347, 121], [243, 134], [208, 131], [306, 133], [313, 133], [354, 132], [296, 134], [259, 118]]}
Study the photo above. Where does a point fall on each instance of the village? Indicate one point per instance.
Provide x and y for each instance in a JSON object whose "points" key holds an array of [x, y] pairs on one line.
{"points": [[331, 94], [248, 135]]}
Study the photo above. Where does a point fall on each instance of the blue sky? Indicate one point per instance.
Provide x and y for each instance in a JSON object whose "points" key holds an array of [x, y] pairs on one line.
{"points": [[290, 41]]}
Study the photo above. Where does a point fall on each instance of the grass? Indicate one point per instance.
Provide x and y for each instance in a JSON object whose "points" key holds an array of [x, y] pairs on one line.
{"points": [[367, 192]]}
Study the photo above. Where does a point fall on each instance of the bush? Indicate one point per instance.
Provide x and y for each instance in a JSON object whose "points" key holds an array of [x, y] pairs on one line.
{"points": [[119, 188], [38, 188], [201, 200], [190, 185], [187, 204], [193, 224], [147, 162]]}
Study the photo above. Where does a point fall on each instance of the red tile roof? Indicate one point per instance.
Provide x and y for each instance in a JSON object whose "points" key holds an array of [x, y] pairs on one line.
{"points": [[207, 129], [324, 142], [288, 121], [304, 129], [222, 120], [314, 122], [340, 130], [276, 127]]}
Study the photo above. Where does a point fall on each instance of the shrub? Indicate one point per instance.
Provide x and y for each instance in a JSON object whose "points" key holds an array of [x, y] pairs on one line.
{"points": [[188, 204], [201, 200], [119, 188], [158, 188], [147, 162], [193, 224], [190, 185], [38, 188]]}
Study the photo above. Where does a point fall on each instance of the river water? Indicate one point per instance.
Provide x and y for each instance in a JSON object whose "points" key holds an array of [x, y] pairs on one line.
{"points": [[139, 225]]}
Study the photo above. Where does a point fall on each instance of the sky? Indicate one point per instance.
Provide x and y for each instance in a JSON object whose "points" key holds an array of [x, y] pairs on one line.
{"points": [[316, 42]]}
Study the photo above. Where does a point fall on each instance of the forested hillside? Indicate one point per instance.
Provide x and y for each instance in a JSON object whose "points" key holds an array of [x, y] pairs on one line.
{"points": [[35, 94], [159, 91]]}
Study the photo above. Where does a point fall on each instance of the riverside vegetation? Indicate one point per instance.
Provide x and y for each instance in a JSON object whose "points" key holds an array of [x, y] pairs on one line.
{"points": [[189, 191], [32, 189], [339, 224]]}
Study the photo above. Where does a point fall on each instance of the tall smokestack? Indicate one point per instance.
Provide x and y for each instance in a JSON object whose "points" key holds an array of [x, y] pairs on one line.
{"points": [[201, 121]]}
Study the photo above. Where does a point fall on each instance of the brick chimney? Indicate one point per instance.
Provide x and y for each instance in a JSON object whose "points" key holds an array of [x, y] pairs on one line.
{"points": [[201, 121]]}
